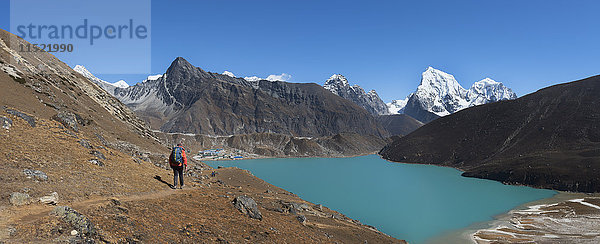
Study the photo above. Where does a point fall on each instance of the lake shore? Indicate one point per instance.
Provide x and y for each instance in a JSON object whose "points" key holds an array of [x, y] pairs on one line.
{"points": [[541, 220]]}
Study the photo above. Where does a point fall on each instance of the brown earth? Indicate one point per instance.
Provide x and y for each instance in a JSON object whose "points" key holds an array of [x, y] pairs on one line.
{"points": [[127, 202], [125, 194]]}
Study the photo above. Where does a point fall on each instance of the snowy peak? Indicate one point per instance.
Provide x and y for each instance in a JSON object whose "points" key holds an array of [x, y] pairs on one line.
{"points": [[83, 71], [441, 82], [440, 94], [335, 83], [397, 106], [110, 87], [228, 73], [487, 91], [339, 85], [121, 84]]}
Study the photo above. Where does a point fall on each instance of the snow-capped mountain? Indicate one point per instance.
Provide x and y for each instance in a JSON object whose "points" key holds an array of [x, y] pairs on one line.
{"points": [[397, 106], [439, 94], [488, 91], [338, 84], [121, 84], [110, 87]]}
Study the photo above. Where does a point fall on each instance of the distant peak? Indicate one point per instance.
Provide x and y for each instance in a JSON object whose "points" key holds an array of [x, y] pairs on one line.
{"points": [[179, 61], [488, 81], [121, 84], [228, 73], [79, 67], [181, 65], [337, 79], [434, 70]]}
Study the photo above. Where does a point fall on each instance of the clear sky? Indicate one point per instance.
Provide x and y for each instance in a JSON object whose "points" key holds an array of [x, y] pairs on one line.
{"points": [[381, 45]]}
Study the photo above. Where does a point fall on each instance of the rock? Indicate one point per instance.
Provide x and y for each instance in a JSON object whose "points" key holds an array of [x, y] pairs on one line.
{"points": [[301, 218], [81, 223], [97, 162], [36, 174], [295, 208], [102, 140], [19, 199], [74, 232], [67, 119], [51, 199], [319, 207], [23, 116], [98, 154], [85, 143], [5, 122], [248, 206]]}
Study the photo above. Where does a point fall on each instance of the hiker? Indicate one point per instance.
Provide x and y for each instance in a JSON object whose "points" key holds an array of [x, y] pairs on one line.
{"points": [[178, 162]]}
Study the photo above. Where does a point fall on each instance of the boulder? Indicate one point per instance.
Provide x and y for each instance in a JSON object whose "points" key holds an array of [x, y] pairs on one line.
{"points": [[23, 116], [97, 162], [248, 206], [98, 154], [19, 199], [35, 174], [301, 218], [5, 122], [67, 119], [319, 207], [85, 143], [51, 199], [79, 222]]}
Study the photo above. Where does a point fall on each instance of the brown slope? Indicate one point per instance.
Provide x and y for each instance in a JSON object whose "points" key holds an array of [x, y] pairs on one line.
{"points": [[43, 87], [547, 139]]}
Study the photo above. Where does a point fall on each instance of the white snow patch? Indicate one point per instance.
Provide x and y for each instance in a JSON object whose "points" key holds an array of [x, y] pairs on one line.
{"points": [[120, 84], [582, 201], [228, 73]]}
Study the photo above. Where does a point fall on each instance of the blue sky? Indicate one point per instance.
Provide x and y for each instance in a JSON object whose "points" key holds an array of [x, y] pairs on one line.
{"points": [[381, 45]]}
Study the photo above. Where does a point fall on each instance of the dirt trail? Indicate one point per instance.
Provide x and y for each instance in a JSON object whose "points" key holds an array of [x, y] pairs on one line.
{"points": [[29, 213]]}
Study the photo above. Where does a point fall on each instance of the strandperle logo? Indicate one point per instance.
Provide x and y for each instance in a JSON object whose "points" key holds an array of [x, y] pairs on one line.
{"points": [[108, 36], [86, 30]]}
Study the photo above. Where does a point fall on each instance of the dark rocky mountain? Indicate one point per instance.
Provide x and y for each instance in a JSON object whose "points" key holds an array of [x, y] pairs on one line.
{"points": [[190, 100], [399, 124], [548, 139], [338, 85]]}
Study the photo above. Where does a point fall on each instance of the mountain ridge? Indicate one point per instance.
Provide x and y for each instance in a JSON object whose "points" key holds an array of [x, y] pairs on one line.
{"points": [[440, 94], [339, 85], [546, 139], [181, 99]]}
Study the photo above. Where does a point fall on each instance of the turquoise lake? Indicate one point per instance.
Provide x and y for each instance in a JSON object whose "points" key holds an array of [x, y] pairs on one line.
{"points": [[407, 201]]}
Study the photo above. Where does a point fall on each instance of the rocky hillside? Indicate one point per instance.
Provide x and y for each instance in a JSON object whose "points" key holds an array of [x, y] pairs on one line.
{"points": [[399, 124], [547, 139], [77, 166], [439, 94], [338, 85], [279, 145], [190, 100]]}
